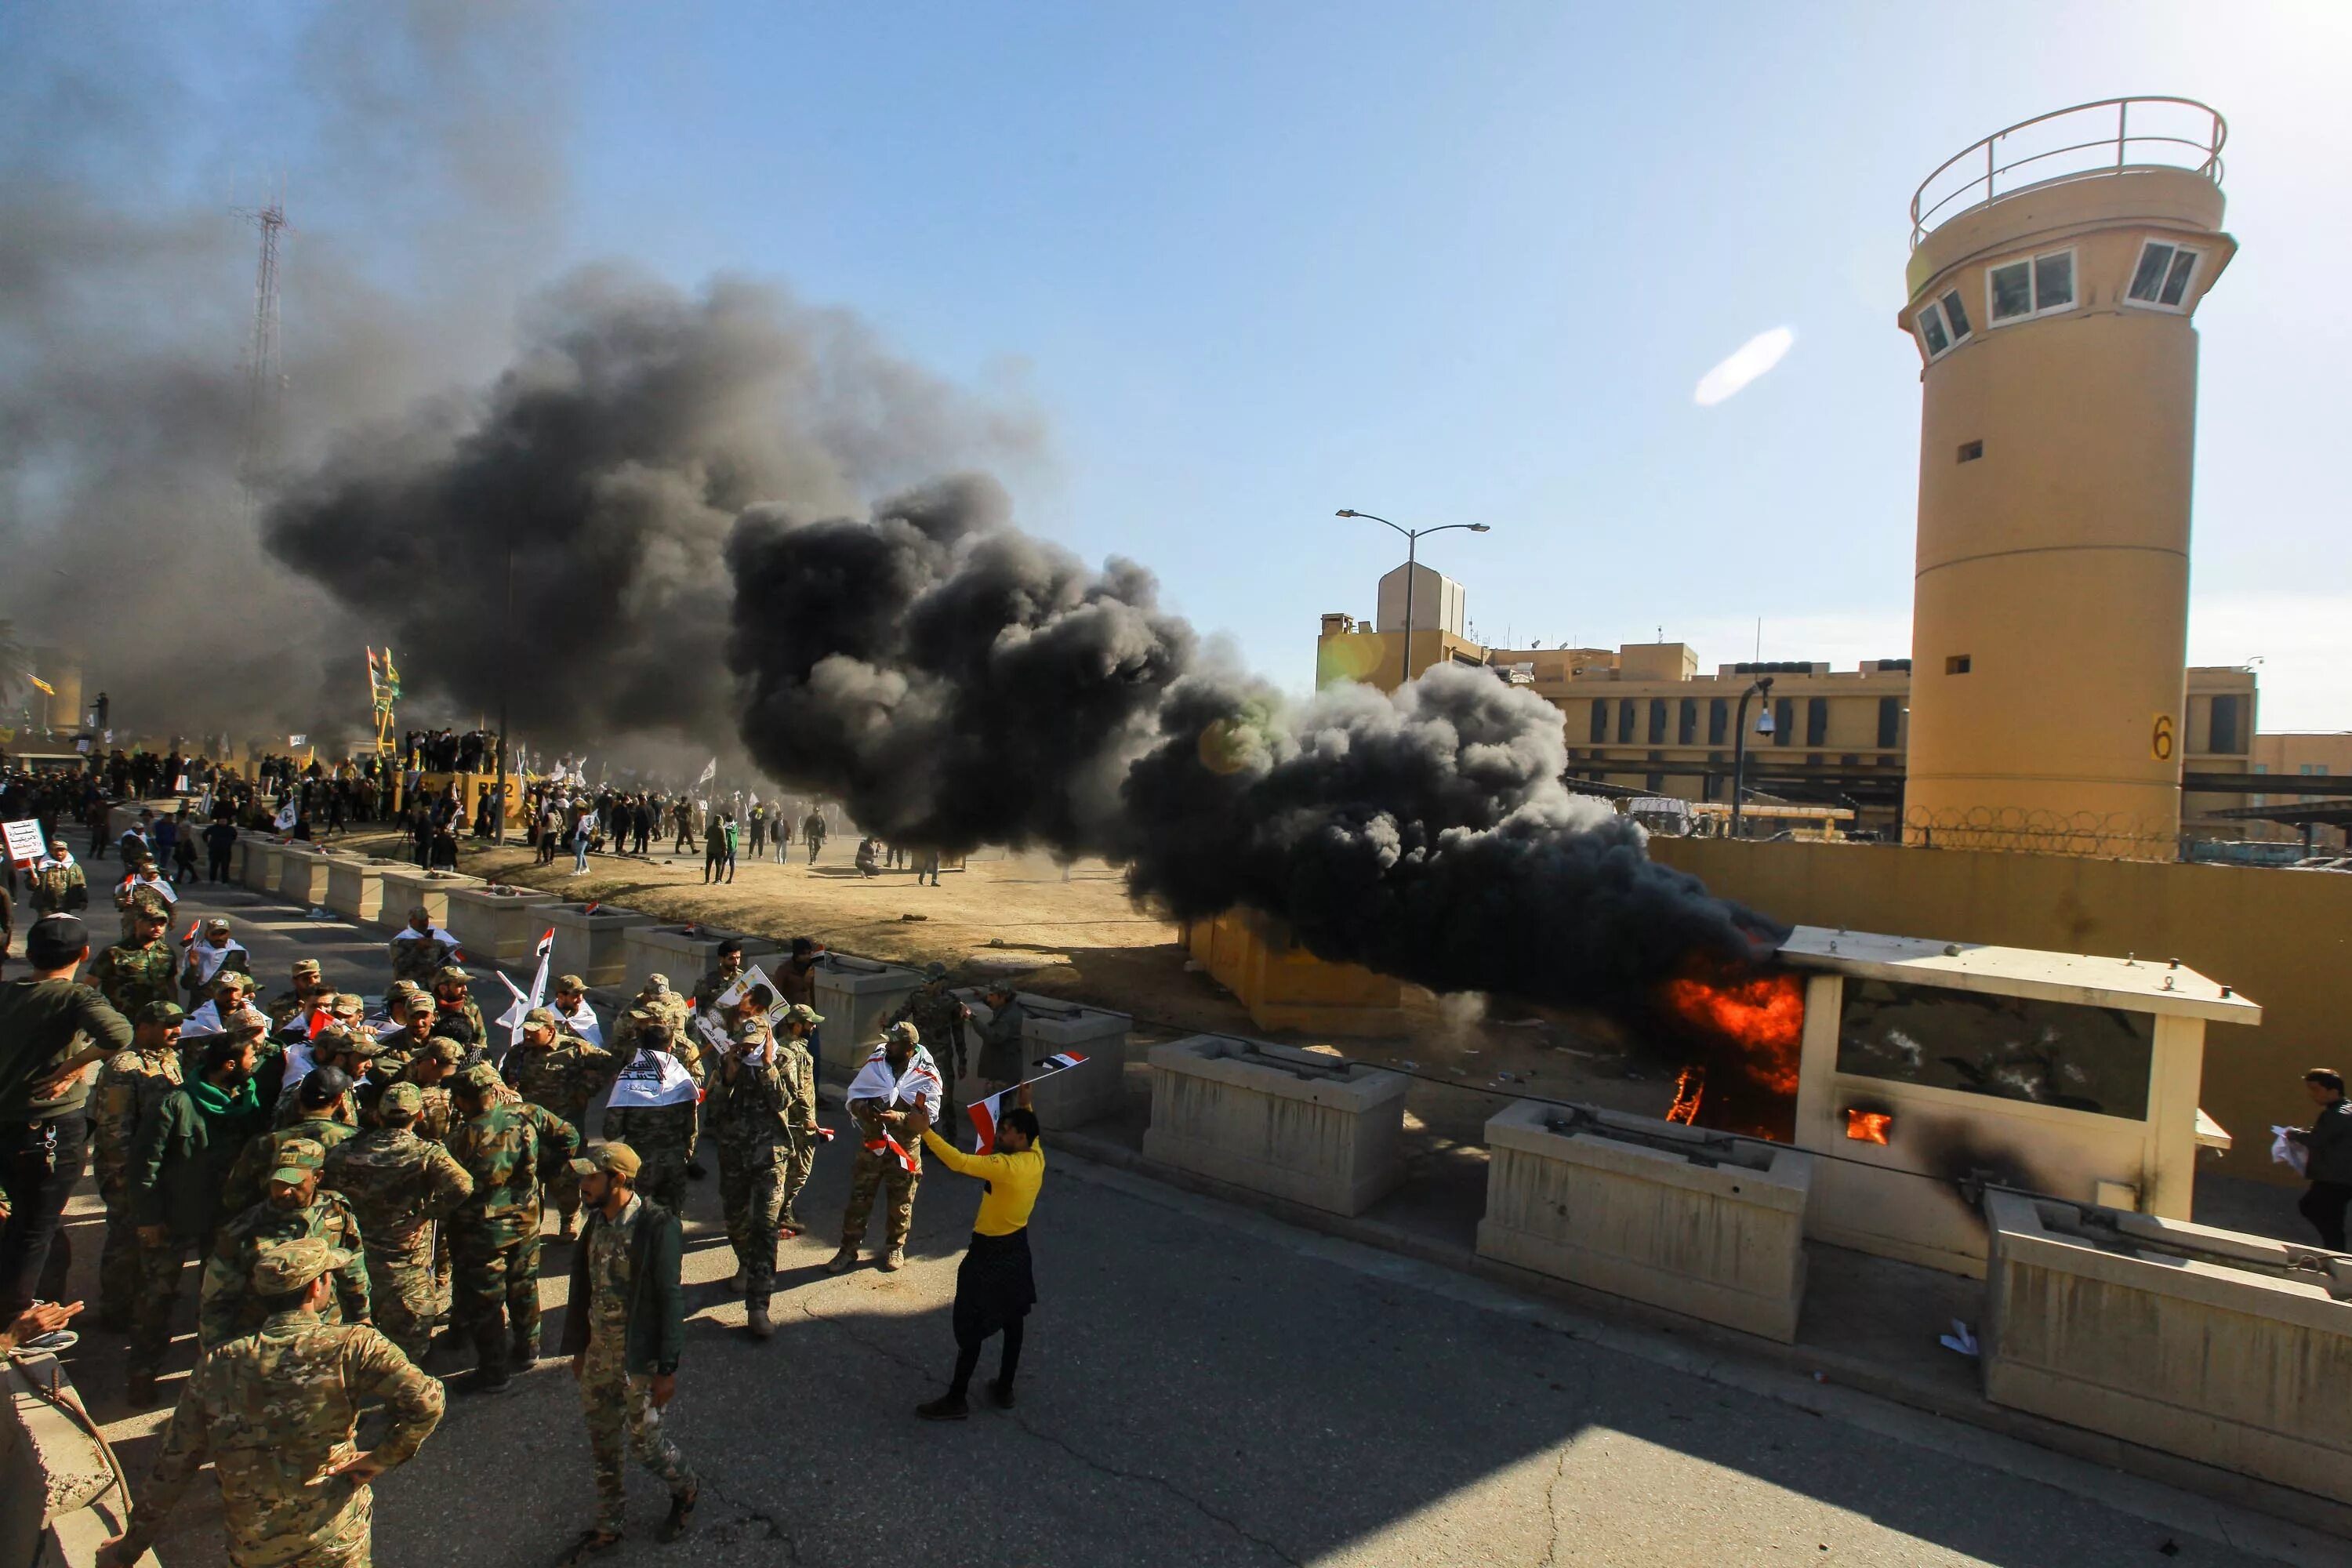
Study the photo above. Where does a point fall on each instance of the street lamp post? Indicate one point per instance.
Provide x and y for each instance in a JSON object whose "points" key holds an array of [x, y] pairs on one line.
{"points": [[1412, 547], [1760, 687]]}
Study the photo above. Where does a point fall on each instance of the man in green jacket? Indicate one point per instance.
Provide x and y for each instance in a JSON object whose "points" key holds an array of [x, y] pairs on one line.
{"points": [[624, 1330], [52, 1031], [180, 1162]]}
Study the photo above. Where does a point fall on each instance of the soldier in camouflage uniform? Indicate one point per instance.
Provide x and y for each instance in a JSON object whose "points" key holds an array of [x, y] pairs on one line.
{"points": [[225, 1306], [139, 891], [139, 969], [749, 1124], [563, 1073], [431, 1071], [494, 1235], [205, 960], [403, 1046], [624, 1330], [661, 1134], [399, 1185], [897, 1115], [323, 1101], [939, 1015], [455, 1014], [658, 1003], [276, 1412], [421, 949], [797, 1067], [132, 1083], [309, 992], [59, 888]]}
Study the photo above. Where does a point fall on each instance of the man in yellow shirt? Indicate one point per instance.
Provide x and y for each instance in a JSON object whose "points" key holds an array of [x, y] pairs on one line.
{"points": [[994, 1287]]}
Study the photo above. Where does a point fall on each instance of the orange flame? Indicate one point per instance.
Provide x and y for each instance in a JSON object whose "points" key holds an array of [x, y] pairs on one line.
{"points": [[1765, 1016], [1869, 1126]]}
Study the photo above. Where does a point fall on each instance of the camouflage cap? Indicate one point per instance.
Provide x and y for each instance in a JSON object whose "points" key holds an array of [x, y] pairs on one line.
{"points": [[297, 1158], [538, 1015], [903, 1034], [404, 988], [616, 1158], [284, 1267], [801, 1012], [361, 1043], [448, 972], [218, 925], [481, 1078], [935, 970], [400, 1100], [233, 979], [306, 967], [570, 983], [655, 986], [160, 1013], [442, 1049]]}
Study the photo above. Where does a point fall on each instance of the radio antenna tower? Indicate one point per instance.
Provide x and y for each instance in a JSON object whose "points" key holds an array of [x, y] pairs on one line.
{"points": [[265, 376]]}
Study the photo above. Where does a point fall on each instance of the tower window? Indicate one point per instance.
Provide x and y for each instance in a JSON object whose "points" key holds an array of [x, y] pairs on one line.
{"points": [[1971, 450], [1943, 324], [1718, 719], [2163, 275], [1817, 720], [1687, 723], [1890, 722], [1957, 664], [1658, 719], [2016, 290], [1600, 721]]}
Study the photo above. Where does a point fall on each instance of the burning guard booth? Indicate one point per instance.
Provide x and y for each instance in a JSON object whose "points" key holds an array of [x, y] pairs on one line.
{"points": [[1948, 1067]]}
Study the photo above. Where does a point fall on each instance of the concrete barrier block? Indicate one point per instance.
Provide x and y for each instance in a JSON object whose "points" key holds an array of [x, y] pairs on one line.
{"points": [[683, 952], [410, 886], [302, 875], [2232, 1349], [55, 1478], [855, 995], [1315, 1129], [500, 924], [592, 941], [1088, 1092], [355, 887], [1662, 1212], [260, 869]]}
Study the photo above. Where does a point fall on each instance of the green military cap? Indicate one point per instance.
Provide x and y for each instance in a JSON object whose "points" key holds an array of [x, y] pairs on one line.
{"points": [[401, 1100], [443, 1049], [160, 1013], [616, 1158], [481, 1078], [360, 1042], [570, 983], [297, 1158], [801, 1012], [288, 1266], [903, 1034], [655, 986], [306, 967], [935, 970], [235, 979], [218, 925], [404, 988], [447, 973], [540, 1015]]}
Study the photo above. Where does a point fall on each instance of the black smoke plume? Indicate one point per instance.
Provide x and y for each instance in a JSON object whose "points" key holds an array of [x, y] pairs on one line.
{"points": [[956, 683]]}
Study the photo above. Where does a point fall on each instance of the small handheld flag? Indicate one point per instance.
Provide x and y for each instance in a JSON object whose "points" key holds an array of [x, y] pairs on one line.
{"points": [[986, 1113]]}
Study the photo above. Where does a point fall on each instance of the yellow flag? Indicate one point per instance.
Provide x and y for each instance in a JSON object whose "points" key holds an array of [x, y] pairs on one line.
{"points": [[45, 687]]}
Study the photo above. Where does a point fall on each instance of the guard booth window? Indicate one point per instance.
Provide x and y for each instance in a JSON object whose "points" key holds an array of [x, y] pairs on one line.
{"points": [[1600, 721], [1624, 721], [1890, 722], [1817, 720], [2005, 1047], [1784, 721], [1687, 723], [2221, 734], [1657, 720], [1718, 719]]}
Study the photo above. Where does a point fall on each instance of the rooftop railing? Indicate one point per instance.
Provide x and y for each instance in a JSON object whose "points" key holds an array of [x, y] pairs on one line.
{"points": [[1972, 178]]}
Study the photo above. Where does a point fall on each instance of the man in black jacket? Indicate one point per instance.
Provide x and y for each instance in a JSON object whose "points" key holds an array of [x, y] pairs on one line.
{"points": [[2327, 1157], [624, 1330]]}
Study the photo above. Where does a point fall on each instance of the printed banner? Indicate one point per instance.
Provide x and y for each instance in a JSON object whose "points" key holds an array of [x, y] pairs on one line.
{"points": [[24, 845]]}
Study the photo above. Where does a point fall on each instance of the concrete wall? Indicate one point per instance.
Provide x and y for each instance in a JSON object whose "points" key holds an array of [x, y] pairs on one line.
{"points": [[1287, 987], [406, 889], [355, 889], [1723, 1241], [593, 945], [855, 995], [499, 928], [2281, 938], [58, 1500], [1314, 1129], [1075, 1096], [2217, 1356]]}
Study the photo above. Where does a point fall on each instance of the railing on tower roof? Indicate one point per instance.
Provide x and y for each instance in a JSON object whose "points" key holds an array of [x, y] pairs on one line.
{"points": [[2111, 151]]}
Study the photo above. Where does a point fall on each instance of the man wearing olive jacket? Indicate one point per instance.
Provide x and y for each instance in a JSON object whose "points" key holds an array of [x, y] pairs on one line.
{"points": [[623, 1331]]}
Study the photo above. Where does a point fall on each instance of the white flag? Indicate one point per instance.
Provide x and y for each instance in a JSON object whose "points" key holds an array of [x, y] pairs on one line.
{"points": [[512, 1017], [710, 772]]}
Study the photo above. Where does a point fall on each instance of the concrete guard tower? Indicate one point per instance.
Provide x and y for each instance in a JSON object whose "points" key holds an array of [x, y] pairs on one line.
{"points": [[2054, 269]]}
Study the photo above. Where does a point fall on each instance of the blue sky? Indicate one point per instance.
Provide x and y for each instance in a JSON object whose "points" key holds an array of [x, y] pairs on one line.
{"points": [[1441, 262]]}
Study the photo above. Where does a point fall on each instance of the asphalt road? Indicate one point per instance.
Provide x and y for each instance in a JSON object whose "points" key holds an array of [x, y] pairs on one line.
{"points": [[1205, 1385]]}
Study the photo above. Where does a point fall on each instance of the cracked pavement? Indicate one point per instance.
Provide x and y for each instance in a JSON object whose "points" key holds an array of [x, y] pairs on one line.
{"points": [[1205, 1385]]}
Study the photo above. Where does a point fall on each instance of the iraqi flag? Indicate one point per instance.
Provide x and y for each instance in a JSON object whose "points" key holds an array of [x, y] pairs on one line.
{"points": [[986, 1113], [886, 1144], [512, 1017]]}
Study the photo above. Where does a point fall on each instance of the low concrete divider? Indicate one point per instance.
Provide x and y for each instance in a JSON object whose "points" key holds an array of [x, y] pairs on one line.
{"points": [[414, 887], [683, 952], [60, 1496], [1318, 1130], [1664, 1214], [591, 941], [302, 876], [855, 995], [500, 924], [258, 868], [1076, 1096], [2229, 1349], [355, 888]]}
